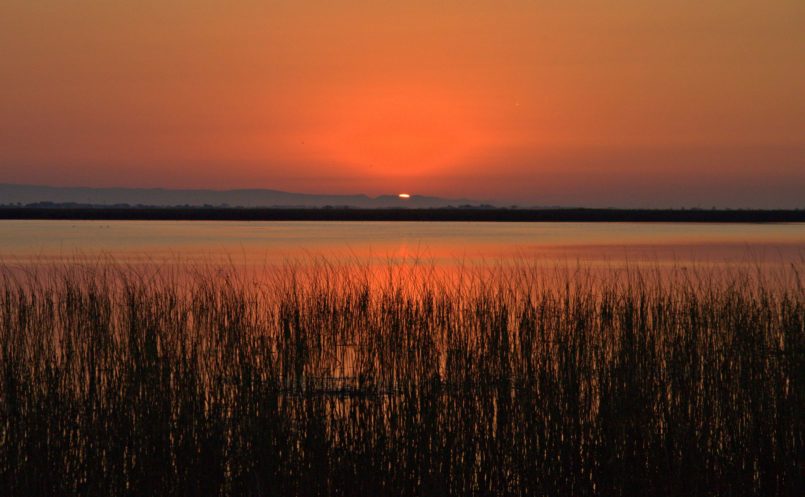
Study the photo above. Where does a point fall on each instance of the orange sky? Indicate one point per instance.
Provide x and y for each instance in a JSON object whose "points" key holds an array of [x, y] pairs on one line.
{"points": [[618, 103]]}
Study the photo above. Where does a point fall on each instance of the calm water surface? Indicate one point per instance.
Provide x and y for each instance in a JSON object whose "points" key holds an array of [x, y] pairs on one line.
{"points": [[436, 242]]}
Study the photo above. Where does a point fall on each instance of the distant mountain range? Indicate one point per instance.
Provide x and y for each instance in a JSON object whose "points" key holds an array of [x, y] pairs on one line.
{"points": [[11, 194]]}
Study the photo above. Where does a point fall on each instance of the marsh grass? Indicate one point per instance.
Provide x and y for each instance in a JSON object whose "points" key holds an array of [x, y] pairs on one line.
{"points": [[314, 379]]}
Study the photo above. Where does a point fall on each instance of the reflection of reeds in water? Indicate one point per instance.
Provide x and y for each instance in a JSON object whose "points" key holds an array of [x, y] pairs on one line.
{"points": [[318, 381]]}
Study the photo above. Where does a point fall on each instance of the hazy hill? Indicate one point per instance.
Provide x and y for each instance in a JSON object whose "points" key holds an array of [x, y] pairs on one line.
{"points": [[159, 197]]}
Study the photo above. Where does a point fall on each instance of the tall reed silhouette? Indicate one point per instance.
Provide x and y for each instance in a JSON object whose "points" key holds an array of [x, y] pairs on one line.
{"points": [[320, 380]]}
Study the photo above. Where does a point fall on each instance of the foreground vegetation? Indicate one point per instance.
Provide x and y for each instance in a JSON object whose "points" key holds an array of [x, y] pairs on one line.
{"points": [[314, 380]]}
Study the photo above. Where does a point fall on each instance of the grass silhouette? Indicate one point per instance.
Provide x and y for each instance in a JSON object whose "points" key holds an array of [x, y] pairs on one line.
{"points": [[320, 380]]}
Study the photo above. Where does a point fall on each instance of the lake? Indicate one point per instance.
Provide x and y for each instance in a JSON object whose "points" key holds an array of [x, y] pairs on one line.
{"points": [[381, 242]]}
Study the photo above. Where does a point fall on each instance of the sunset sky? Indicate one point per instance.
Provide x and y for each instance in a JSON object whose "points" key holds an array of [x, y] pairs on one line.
{"points": [[558, 102]]}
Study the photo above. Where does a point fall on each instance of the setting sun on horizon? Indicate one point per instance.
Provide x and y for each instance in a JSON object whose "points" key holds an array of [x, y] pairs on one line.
{"points": [[549, 103]]}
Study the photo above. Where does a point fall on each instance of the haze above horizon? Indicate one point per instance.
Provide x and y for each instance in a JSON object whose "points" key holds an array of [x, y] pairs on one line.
{"points": [[628, 104]]}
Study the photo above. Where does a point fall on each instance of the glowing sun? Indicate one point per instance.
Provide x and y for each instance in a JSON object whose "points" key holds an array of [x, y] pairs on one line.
{"points": [[400, 131]]}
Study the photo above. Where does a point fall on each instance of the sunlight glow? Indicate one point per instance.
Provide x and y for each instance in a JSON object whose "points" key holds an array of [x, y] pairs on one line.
{"points": [[404, 195]]}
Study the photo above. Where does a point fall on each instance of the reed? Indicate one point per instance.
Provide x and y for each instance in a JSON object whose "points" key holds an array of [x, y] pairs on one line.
{"points": [[322, 380]]}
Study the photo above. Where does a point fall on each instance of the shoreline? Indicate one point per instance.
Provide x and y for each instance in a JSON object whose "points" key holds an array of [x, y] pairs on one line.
{"points": [[394, 214]]}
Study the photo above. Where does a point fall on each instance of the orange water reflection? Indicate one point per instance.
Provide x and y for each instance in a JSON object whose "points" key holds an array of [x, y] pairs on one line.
{"points": [[439, 243]]}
